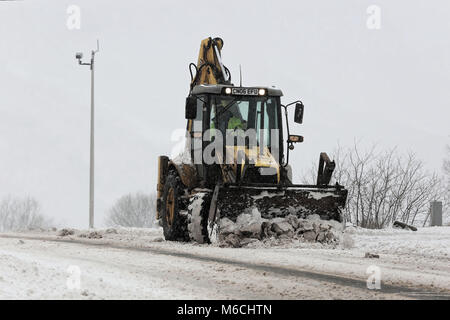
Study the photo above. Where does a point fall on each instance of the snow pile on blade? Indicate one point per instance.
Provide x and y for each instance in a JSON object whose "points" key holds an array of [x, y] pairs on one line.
{"points": [[250, 228]]}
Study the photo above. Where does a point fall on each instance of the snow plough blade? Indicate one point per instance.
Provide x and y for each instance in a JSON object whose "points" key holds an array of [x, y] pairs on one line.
{"points": [[243, 212], [274, 202]]}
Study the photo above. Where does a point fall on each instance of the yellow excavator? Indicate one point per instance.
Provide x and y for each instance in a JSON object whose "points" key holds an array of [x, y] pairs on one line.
{"points": [[236, 158]]}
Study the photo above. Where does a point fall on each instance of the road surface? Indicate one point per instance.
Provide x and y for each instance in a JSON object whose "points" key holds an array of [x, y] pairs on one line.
{"points": [[36, 266]]}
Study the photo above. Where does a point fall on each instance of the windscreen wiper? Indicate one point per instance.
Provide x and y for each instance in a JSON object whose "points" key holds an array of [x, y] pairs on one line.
{"points": [[228, 106]]}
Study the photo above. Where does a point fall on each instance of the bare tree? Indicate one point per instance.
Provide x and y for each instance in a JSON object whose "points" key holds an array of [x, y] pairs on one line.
{"points": [[21, 214], [384, 186], [446, 168], [447, 163], [133, 210]]}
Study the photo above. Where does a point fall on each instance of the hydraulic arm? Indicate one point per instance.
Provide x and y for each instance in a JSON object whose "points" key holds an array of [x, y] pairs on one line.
{"points": [[209, 68]]}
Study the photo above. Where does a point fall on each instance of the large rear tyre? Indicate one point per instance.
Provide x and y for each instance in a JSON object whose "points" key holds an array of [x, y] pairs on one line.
{"points": [[174, 222]]}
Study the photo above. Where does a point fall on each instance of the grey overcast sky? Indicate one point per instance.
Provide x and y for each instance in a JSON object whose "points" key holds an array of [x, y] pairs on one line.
{"points": [[390, 86]]}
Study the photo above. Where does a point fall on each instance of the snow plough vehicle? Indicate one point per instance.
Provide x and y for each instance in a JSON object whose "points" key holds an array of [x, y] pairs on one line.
{"points": [[236, 159]]}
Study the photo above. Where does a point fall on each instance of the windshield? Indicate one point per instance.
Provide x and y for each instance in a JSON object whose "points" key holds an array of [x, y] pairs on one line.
{"points": [[249, 115]]}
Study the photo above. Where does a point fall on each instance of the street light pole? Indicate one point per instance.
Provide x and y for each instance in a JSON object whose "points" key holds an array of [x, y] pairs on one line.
{"points": [[79, 56]]}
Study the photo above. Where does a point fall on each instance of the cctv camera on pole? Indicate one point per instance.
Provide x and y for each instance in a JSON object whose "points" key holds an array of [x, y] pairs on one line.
{"points": [[79, 57]]}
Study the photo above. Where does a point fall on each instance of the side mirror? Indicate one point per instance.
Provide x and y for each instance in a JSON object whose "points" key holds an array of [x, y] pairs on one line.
{"points": [[191, 108], [299, 109], [293, 139], [79, 56]]}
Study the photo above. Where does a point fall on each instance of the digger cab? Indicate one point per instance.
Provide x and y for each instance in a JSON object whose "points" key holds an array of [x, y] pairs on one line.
{"points": [[236, 134]]}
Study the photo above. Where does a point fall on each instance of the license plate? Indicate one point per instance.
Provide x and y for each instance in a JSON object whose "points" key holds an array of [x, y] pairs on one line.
{"points": [[245, 91]]}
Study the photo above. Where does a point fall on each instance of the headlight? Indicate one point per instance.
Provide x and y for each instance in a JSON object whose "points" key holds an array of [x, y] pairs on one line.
{"points": [[262, 92], [228, 90]]}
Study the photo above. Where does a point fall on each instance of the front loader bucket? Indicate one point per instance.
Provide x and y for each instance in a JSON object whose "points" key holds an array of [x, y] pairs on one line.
{"points": [[273, 202]]}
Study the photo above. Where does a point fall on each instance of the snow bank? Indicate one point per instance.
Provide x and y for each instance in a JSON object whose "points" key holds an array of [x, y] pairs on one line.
{"points": [[428, 241]]}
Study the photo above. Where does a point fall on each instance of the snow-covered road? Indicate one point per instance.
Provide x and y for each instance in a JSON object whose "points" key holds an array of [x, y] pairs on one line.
{"points": [[136, 264]]}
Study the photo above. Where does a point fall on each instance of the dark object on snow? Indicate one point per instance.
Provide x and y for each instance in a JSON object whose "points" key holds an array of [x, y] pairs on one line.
{"points": [[66, 232], [398, 224], [91, 235], [371, 256]]}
